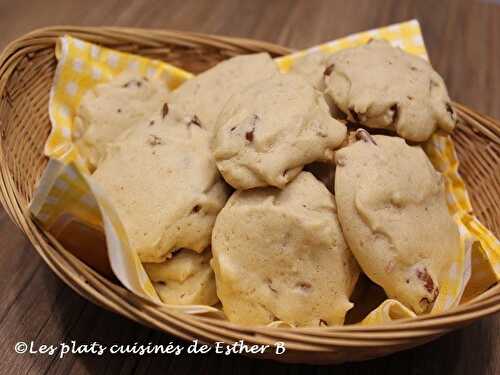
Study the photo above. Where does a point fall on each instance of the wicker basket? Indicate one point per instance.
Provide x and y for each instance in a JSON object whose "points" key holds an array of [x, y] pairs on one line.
{"points": [[26, 72]]}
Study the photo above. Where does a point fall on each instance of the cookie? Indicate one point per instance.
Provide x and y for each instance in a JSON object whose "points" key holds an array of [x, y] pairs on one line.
{"points": [[163, 182], [280, 255], [113, 107], [384, 87], [185, 279], [392, 208], [206, 94], [269, 131]]}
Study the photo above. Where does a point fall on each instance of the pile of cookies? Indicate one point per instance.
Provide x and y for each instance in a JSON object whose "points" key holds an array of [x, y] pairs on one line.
{"points": [[271, 193]]}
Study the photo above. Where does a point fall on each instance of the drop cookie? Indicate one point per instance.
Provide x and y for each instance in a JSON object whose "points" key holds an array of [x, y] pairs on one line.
{"points": [[383, 87], [392, 208], [207, 93], [113, 107], [162, 179], [184, 279], [280, 255], [269, 131]]}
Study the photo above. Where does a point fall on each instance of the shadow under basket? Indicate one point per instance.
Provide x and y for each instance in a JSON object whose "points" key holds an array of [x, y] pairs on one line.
{"points": [[26, 71]]}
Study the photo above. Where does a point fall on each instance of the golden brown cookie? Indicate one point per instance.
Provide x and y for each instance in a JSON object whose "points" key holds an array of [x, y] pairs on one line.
{"points": [[163, 182], [184, 279], [380, 86], [280, 255], [392, 209], [269, 131]]}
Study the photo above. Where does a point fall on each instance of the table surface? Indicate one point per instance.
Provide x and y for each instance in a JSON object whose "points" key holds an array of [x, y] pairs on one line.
{"points": [[463, 39]]}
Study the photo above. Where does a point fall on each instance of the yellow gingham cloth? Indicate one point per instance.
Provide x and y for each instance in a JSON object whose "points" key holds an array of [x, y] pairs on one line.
{"points": [[65, 186]]}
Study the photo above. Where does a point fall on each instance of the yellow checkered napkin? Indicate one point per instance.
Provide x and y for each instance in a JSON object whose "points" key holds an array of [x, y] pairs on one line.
{"points": [[65, 189], [388, 311]]}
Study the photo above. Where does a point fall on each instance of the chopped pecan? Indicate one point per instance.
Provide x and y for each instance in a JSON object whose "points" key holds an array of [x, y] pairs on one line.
{"points": [[249, 135], [427, 302], [304, 285], [328, 70], [423, 275], [195, 121], [253, 123], [269, 283], [154, 140], [363, 135], [164, 110], [132, 82]]}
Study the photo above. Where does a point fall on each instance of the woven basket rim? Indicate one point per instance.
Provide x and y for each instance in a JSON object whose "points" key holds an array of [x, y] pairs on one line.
{"points": [[114, 297]]}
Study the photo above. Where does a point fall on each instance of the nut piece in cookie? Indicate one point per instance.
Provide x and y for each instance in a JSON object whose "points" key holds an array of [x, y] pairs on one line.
{"points": [[184, 279], [381, 86], [392, 208], [113, 107], [280, 255], [161, 178], [207, 93], [269, 131]]}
